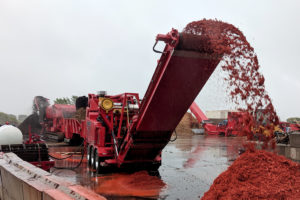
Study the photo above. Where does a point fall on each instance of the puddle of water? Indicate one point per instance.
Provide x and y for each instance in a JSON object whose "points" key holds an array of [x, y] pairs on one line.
{"points": [[189, 166]]}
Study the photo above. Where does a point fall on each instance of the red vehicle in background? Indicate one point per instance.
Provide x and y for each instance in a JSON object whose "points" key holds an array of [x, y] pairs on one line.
{"points": [[228, 127], [289, 127]]}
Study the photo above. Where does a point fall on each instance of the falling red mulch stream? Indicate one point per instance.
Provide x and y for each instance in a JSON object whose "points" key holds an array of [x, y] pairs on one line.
{"points": [[245, 83], [256, 174]]}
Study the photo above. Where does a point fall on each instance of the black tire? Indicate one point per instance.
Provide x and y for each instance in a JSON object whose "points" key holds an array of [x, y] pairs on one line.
{"points": [[96, 161], [98, 167], [76, 140], [89, 154], [92, 158], [155, 166]]}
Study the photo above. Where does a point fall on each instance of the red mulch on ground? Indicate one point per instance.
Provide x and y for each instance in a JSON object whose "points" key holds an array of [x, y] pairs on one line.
{"points": [[257, 174]]}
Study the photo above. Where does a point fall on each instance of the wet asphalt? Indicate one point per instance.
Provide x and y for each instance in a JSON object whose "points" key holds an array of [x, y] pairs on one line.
{"points": [[189, 167]]}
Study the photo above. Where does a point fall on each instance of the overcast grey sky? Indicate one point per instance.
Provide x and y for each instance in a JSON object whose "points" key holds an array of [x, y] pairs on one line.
{"points": [[60, 48]]}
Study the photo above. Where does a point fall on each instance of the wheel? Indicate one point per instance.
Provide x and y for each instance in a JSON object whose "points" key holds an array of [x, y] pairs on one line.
{"points": [[92, 157], [154, 166], [98, 167], [76, 140], [96, 161], [89, 155]]}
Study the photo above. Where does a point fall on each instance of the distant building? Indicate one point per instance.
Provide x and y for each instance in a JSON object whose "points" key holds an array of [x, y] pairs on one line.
{"points": [[218, 116]]}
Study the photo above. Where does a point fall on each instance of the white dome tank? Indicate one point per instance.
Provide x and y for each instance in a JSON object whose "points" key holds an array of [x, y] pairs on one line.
{"points": [[10, 135]]}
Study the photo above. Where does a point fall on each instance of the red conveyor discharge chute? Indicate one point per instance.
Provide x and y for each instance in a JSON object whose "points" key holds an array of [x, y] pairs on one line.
{"points": [[209, 128], [179, 77], [200, 116]]}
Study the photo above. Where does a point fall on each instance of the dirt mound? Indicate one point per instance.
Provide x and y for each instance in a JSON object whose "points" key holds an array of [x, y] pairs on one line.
{"points": [[186, 124], [257, 175]]}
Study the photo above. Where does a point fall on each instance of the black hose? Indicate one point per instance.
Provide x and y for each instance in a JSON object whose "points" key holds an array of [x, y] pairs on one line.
{"points": [[66, 156], [153, 48], [72, 168], [174, 138], [55, 158]]}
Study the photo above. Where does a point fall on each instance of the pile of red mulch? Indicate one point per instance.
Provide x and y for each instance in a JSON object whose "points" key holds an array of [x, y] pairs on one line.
{"points": [[138, 184], [257, 174]]}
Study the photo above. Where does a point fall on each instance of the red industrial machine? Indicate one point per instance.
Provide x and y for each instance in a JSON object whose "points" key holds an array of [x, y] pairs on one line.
{"points": [[57, 119], [122, 130], [228, 128], [289, 127]]}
